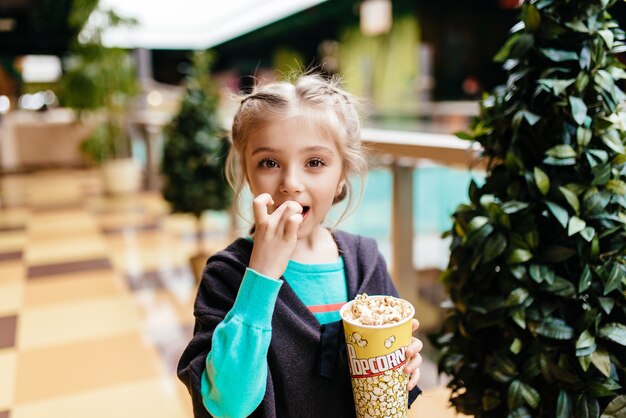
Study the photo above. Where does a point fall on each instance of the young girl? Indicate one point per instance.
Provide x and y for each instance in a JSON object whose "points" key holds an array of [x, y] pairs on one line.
{"points": [[268, 339]]}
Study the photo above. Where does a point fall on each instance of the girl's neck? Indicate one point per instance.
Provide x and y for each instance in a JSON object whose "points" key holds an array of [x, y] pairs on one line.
{"points": [[317, 248]]}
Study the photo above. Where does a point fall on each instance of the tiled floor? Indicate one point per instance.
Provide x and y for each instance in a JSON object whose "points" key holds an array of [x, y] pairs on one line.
{"points": [[96, 297]]}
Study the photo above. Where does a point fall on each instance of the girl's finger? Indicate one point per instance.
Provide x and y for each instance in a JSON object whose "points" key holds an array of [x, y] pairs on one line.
{"points": [[259, 207], [291, 227], [415, 377], [290, 208], [416, 324], [414, 347]]}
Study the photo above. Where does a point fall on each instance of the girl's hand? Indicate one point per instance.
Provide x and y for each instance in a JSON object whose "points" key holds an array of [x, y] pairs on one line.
{"points": [[275, 235], [414, 358]]}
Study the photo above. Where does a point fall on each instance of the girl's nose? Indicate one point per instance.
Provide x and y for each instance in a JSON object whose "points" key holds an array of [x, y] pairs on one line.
{"points": [[291, 182]]}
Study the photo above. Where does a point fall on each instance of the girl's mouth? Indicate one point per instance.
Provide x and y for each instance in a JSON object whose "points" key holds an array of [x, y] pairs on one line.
{"points": [[305, 211]]}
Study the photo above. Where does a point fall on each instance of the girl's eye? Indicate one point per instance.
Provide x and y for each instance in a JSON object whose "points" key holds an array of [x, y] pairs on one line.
{"points": [[267, 163], [315, 163]]}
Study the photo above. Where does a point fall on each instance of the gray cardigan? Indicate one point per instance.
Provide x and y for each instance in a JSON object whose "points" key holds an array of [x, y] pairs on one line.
{"points": [[307, 367]]}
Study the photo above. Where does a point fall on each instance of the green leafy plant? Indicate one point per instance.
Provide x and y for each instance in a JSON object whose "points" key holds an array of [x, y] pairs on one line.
{"points": [[537, 274], [99, 79], [196, 146]]}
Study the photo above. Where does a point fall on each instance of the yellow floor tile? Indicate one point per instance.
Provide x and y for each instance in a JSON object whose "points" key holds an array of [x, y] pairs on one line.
{"points": [[75, 368], [434, 403], [142, 399], [12, 241], [8, 360], [74, 248], [74, 287], [67, 222], [12, 272], [80, 321], [13, 216], [11, 296]]}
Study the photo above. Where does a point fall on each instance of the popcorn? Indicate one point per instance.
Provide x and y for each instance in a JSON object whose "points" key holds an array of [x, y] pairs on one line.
{"points": [[382, 310]]}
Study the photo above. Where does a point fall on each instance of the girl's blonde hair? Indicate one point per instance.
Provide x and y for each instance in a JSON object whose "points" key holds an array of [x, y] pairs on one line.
{"points": [[320, 100]]}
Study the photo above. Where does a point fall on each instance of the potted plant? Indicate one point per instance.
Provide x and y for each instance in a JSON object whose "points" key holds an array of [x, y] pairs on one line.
{"points": [[102, 80], [195, 150], [536, 325]]}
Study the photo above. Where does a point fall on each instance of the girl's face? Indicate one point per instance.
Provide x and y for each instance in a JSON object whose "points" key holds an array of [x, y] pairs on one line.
{"points": [[292, 160]]}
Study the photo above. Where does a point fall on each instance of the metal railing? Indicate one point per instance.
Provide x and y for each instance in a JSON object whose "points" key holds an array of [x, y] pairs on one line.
{"points": [[405, 148]]}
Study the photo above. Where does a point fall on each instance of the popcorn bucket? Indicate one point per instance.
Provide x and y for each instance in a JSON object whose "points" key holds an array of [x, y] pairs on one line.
{"points": [[377, 356]]}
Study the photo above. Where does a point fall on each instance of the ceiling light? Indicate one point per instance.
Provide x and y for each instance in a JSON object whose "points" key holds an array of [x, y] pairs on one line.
{"points": [[7, 24]]}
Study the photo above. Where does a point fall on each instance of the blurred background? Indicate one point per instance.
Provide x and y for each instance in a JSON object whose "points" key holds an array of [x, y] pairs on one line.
{"points": [[108, 108]]}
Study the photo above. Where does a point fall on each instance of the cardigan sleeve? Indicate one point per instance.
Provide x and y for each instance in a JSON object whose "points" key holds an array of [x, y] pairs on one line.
{"points": [[220, 305], [233, 383]]}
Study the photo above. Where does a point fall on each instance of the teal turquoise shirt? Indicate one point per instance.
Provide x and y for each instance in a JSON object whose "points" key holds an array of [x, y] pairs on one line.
{"points": [[233, 383]]}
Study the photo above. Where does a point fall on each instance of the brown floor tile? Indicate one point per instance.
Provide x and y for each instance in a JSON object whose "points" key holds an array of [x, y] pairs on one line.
{"points": [[8, 325], [13, 255], [35, 272], [135, 228], [12, 228], [63, 370]]}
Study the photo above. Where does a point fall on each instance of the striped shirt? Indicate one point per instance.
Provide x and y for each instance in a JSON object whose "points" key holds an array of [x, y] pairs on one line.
{"points": [[321, 287]]}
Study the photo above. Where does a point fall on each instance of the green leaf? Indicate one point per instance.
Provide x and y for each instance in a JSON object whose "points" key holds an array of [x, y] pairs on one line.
{"points": [[519, 317], [606, 304], [517, 297], [594, 201], [607, 36], [579, 109], [494, 246], [611, 139], [477, 222], [588, 233], [612, 278], [577, 25], [541, 272], [601, 174], [504, 52], [585, 339], [616, 186], [575, 225], [563, 405], [602, 388], [513, 206], [516, 346], [602, 361], [560, 287], [532, 17], [519, 390], [542, 181], [561, 151], [583, 136], [520, 412], [571, 198], [615, 332], [518, 256], [616, 408], [555, 328], [587, 407], [585, 279], [584, 359], [559, 213], [558, 55], [531, 117]]}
